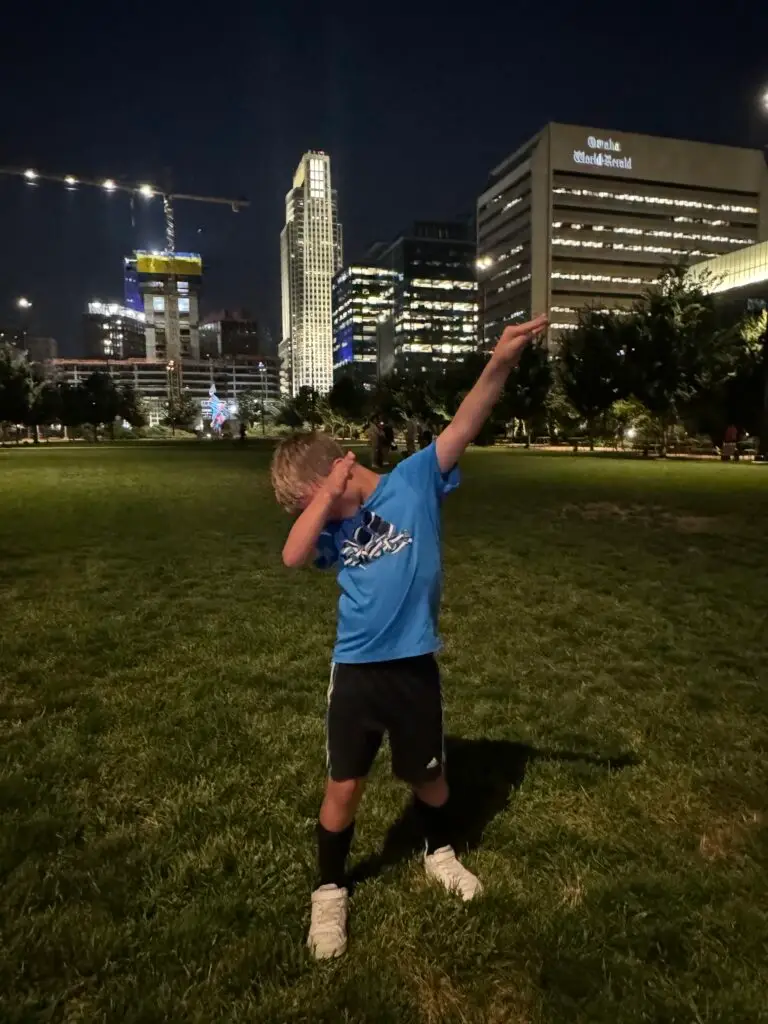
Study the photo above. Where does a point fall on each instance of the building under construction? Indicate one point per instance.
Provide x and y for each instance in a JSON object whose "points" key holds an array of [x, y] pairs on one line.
{"points": [[169, 287]]}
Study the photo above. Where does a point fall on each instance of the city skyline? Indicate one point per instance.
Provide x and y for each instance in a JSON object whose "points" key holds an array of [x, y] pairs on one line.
{"points": [[415, 144]]}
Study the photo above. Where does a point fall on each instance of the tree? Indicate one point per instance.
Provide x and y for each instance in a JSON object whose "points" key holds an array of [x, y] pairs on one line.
{"points": [[679, 343], [526, 390], [248, 407], [562, 419], [592, 366], [101, 402], [182, 412], [46, 405], [347, 400], [73, 405], [15, 389], [131, 406]]}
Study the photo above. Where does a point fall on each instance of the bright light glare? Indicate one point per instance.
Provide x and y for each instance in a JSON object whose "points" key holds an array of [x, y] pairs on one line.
{"points": [[29, 174], [23, 303], [109, 185], [764, 100], [146, 190], [631, 433], [70, 180]]}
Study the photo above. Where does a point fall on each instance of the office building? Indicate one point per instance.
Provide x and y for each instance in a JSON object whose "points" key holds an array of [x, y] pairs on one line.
{"points": [[739, 274], [362, 296], [153, 380], [433, 318], [112, 331], [169, 286], [230, 334], [584, 217], [310, 255]]}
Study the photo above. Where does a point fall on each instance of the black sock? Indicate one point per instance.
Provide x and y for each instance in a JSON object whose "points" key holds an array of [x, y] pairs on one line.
{"points": [[332, 853], [435, 824]]}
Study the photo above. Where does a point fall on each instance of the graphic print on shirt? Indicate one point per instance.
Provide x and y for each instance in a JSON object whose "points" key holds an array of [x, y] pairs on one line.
{"points": [[372, 539]]}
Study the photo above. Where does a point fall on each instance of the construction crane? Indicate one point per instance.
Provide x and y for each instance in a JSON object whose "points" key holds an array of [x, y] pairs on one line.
{"points": [[147, 192]]}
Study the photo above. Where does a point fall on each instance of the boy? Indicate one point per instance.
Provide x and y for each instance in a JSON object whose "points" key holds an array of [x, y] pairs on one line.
{"points": [[384, 533]]}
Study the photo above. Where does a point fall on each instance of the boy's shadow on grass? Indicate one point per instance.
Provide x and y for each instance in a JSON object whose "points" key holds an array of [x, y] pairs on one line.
{"points": [[481, 774]]}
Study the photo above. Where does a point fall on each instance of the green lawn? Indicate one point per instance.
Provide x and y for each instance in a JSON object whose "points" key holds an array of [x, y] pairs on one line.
{"points": [[162, 688]]}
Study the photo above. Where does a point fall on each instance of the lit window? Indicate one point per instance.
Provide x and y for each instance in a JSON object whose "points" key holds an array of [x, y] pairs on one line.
{"points": [[158, 303], [184, 304]]}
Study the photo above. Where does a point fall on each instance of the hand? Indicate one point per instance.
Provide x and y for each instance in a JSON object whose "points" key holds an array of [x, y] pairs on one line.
{"points": [[515, 337], [336, 481]]}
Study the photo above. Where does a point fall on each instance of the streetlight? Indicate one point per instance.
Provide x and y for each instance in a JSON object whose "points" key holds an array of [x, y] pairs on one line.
{"points": [[29, 174], [23, 303], [762, 450], [263, 373], [109, 185], [147, 191]]}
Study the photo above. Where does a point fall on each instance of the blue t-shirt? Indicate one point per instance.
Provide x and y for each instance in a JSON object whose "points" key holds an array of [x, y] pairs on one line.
{"points": [[390, 570]]}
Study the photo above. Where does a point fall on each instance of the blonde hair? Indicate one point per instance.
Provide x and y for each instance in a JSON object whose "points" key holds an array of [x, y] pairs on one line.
{"points": [[300, 461]]}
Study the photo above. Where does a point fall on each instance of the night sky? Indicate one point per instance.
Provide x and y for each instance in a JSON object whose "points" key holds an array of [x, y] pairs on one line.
{"points": [[414, 107]]}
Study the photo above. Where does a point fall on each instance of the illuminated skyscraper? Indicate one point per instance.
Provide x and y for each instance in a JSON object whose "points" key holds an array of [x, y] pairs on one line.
{"points": [[310, 254], [433, 318], [362, 296]]}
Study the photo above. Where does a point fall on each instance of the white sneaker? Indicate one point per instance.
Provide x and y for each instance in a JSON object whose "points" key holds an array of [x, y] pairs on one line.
{"points": [[328, 928], [450, 872]]}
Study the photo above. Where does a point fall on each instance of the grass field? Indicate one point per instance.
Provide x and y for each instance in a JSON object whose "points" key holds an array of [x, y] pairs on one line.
{"points": [[162, 687]]}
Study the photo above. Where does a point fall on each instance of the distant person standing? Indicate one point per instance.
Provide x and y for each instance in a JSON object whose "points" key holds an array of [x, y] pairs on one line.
{"points": [[425, 440], [388, 435], [374, 439], [729, 445], [411, 430]]}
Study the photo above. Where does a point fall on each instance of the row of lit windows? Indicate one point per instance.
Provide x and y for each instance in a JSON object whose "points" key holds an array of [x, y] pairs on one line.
{"points": [[431, 282], [507, 271], [617, 310], [585, 244], [655, 233], [604, 278], [513, 284], [633, 197], [445, 347]]}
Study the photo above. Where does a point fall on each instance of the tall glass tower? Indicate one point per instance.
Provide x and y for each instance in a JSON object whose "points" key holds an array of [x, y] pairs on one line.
{"points": [[310, 255]]}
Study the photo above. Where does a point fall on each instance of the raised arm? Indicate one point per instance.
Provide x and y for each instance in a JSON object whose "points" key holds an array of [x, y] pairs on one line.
{"points": [[301, 543], [477, 406]]}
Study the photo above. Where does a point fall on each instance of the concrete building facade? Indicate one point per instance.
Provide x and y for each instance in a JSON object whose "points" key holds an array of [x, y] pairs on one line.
{"points": [[580, 217]]}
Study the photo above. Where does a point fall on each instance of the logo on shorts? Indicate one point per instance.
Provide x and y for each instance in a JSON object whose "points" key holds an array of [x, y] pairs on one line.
{"points": [[373, 538]]}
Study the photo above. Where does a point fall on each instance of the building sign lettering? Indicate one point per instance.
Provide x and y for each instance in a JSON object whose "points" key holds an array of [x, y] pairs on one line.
{"points": [[600, 153]]}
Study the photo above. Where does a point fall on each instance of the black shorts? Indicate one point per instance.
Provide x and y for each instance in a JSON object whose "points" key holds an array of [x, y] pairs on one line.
{"points": [[401, 698]]}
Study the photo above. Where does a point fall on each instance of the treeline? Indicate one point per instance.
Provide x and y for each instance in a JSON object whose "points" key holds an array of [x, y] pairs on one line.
{"points": [[681, 363], [30, 400]]}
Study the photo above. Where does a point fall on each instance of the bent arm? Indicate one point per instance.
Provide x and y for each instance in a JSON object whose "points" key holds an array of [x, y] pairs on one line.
{"points": [[472, 413], [301, 543]]}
